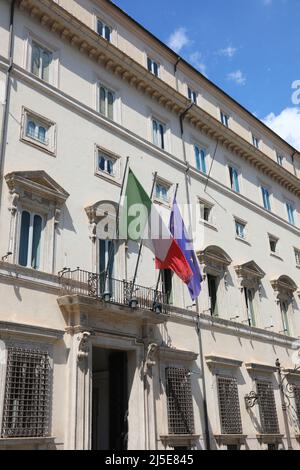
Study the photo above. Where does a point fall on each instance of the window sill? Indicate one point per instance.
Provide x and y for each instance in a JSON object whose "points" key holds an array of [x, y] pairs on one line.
{"points": [[243, 240], [109, 178], [35, 143], [209, 225], [27, 443], [174, 440], [274, 255], [162, 202], [269, 438], [227, 439]]}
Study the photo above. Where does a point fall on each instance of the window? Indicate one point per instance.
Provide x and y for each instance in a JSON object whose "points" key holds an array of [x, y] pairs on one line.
{"points": [[152, 66], [297, 256], [266, 198], [41, 60], [240, 229], [291, 212], [179, 401], [205, 211], [200, 157], [229, 406], [106, 102], [224, 119], [27, 394], [212, 282], [234, 179], [162, 191], [280, 159], [249, 301], [106, 164], [267, 407], [296, 390], [255, 141], [106, 265], [38, 131], [158, 129], [166, 276], [30, 240], [103, 30], [192, 95], [284, 309], [273, 242]]}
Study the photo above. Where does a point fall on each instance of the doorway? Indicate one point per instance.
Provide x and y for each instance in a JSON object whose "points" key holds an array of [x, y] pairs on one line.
{"points": [[109, 400]]}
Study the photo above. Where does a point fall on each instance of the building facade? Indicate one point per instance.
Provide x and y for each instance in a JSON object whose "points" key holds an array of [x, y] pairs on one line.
{"points": [[89, 360]]}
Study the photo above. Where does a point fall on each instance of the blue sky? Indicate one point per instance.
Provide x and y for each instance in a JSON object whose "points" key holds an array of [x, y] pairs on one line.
{"points": [[250, 48]]}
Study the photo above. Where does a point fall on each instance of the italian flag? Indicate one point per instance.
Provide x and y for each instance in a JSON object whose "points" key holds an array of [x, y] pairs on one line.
{"points": [[141, 221]]}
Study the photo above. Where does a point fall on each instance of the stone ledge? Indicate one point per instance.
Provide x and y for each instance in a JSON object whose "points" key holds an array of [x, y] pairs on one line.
{"points": [[213, 360], [174, 440], [269, 438], [20, 329], [226, 439], [27, 443]]}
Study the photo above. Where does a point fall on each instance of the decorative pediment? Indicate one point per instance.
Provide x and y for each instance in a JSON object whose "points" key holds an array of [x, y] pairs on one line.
{"points": [[284, 284], [214, 255], [250, 270], [38, 183]]}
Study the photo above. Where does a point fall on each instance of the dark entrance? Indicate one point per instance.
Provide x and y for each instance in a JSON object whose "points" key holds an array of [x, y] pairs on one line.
{"points": [[110, 400]]}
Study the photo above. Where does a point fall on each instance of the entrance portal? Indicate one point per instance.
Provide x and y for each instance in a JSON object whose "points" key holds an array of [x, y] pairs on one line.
{"points": [[110, 400]]}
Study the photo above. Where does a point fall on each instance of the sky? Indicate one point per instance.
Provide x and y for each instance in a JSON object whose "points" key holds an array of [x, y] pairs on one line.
{"points": [[249, 48]]}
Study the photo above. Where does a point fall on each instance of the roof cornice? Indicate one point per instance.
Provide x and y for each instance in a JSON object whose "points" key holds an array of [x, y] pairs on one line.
{"points": [[55, 18]]}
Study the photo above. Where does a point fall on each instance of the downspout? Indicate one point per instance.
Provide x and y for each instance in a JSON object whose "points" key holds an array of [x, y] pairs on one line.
{"points": [[3, 134], [206, 422]]}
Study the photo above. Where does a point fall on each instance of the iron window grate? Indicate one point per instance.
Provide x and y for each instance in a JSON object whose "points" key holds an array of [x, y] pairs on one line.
{"points": [[296, 389], [179, 401], [267, 407], [27, 394], [229, 406]]}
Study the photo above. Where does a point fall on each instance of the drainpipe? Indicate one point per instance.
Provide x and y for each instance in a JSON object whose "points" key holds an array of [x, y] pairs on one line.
{"points": [[206, 422], [3, 134]]}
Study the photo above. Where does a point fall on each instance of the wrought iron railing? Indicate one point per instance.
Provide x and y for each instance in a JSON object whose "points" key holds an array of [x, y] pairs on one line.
{"points": [[116, 291]]}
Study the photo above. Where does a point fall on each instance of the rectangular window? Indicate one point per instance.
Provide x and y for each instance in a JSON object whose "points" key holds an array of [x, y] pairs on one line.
{"points": [[291, 213], [106, 164], [192, 95], [296, 389], [297, 256], [200, 157], [41, 60], [229, 406], [106, 102], [240, 229], [158, 133], [30, 240], [152, 66], [162, 191], [255, 141], [27, 394], [267, 407], [224, 119], [284, 308], [205, 211], [103, 30], [249, 301], [266, 198], [212, 282], [179, 401], [273, 242], [280, 159], [234, 179]]}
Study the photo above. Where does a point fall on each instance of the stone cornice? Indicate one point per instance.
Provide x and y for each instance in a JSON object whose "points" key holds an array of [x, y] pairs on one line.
{"points": [[18, 329], [59, 21], [214, 361]]}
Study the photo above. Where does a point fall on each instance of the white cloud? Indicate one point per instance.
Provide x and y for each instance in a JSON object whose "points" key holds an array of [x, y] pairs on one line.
{"points": [[286, 124], [178, 39], [267, 2], [237, 77], [197, 61], [228, 51]]}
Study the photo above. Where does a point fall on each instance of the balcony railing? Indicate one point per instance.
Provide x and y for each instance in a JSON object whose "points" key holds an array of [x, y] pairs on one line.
{"points": [[111, 290]]}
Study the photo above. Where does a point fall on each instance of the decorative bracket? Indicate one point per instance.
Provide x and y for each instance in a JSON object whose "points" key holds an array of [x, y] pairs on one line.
{"points": [[83, 347]]}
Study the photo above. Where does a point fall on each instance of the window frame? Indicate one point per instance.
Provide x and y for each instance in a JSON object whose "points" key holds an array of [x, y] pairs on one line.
{"points": [[163, 144], [290, 215], [54, 66], [50, 127], [210, 207], [273, 238], [202, 168], [108, 90], [297, 256], [105, 24], [234, 168], [153, 62], [225, 118], [280, 159], [192, 95], [165, 184], [266, 203], [240, 223], [255, 141], [30, 239]]}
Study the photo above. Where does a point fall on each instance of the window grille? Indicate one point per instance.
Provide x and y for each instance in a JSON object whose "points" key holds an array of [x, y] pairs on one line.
{"points": [[229, 406], [179, 401], [297, 401], [27, 394], [267, 408]]}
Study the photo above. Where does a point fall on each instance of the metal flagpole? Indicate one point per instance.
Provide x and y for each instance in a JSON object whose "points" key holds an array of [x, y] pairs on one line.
{"points": [[117, 231], [142, 243]]}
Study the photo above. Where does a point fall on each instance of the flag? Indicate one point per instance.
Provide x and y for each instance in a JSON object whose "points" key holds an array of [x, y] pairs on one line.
{"points": [[179, 232], [141, 221]]}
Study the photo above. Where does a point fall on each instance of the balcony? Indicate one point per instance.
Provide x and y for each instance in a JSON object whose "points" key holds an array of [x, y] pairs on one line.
{"points": [[109, 290]]}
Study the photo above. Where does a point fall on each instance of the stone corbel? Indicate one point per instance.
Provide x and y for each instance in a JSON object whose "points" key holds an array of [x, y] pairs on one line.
{"points": [[14, 198], [83, 348], [57, 214], [150, 359]]}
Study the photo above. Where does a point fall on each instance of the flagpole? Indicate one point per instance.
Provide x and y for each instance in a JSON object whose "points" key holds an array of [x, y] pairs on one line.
{"points": [[142, 243], [159, 274], [117, 231]]}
